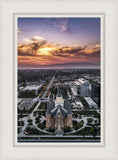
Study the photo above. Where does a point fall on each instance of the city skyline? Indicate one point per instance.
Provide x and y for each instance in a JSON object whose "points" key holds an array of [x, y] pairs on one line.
{"points": [[57, 43]]}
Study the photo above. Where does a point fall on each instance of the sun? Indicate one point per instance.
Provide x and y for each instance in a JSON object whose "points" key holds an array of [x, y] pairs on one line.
{"points": [[44, 51]]}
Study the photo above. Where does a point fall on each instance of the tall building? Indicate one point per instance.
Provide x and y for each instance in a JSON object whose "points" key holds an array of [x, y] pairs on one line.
{"points": [[58, 114], [95, 92], [82, 88]]}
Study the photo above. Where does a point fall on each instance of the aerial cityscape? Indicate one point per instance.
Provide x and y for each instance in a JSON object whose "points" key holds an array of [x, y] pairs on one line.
{"points": [[59, 80]]}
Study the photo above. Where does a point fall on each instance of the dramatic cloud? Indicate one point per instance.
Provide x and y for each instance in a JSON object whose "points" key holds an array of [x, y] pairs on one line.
{"points": [[31, 46], [37, 51], [38, 38], [56, 41]]}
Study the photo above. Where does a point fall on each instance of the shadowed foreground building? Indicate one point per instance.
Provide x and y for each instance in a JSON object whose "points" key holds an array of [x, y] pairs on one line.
{"points": [[95, 92], [59, 114]]}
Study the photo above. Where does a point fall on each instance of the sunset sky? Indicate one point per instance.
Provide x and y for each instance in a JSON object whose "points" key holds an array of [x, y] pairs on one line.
{"points": [[58, 43]]}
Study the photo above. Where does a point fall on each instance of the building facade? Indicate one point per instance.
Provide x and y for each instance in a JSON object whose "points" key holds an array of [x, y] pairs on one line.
{"points": [[31, 90], [58, 114], [82, 87]]}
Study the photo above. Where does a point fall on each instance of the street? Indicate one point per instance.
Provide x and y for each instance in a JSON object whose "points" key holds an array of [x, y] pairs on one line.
{"points": [[48, 87]]}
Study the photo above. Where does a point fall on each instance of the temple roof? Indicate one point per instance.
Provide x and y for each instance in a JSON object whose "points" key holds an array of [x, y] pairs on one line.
{"points": [[64, 110], [58, 109], [69, 109], [50, 106], [67, 106]]}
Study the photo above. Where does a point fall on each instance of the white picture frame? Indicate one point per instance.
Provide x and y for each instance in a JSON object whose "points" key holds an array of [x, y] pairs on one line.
{"points": [[109, 148]]}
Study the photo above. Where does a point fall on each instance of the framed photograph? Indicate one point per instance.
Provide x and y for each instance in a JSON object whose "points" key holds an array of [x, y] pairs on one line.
{"points": [[58, 80]]}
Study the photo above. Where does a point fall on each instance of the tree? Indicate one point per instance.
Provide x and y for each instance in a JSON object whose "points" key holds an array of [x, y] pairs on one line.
{"points": [[83, 132], [90, 120]]}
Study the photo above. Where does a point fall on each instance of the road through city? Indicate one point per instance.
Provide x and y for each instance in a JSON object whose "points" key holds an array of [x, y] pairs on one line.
{"points": [[48, 87]]}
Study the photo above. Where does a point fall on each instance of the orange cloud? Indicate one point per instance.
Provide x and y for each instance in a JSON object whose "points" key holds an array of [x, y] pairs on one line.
{"points": [[38, 51]]}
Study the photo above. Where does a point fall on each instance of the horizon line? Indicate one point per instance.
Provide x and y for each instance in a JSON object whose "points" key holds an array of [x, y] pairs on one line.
{"points": [[54, 68]]}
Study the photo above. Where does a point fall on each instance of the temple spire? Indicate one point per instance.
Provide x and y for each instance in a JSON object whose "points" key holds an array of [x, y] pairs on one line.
{"points": [[59, 91]]}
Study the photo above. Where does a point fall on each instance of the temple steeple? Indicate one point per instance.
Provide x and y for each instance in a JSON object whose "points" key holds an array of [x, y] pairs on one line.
{"points": [[59, 92]]}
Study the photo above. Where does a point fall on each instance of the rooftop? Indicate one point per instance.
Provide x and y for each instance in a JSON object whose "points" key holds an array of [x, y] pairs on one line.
{"points": [[32, 87], [90, 101], [79, 103], [81, 81]]}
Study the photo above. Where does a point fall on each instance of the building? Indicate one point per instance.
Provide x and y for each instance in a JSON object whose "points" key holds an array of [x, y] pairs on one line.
{"points": [[90, 102], [79, 105], [95, 92], [82, 88], [58, 114], [31, 90]]}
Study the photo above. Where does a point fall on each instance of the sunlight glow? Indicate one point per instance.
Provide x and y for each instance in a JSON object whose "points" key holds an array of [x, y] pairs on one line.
{"points": [[44, 51]]}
